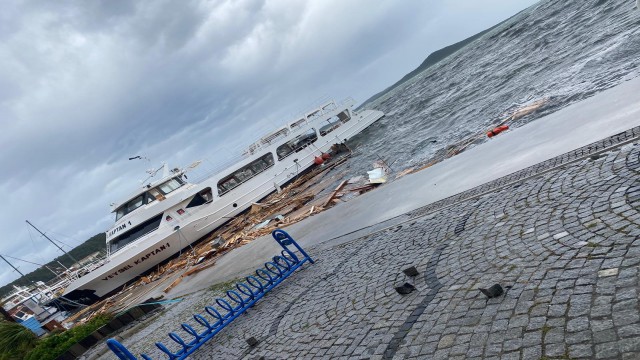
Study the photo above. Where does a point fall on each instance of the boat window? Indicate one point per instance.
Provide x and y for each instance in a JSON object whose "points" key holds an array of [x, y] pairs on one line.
{"points": [[120, 212], [344, 116], [245, 173], [329, 106], [135, 203], [332, 124], [200, 198], [298, 123], [142, 199], [296, 144], [130, 206], [135, 233], [156, 195], [170, 186], [314, 115]]}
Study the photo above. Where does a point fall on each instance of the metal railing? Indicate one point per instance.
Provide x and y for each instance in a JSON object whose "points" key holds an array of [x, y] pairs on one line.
{"points": [[235, 304]]}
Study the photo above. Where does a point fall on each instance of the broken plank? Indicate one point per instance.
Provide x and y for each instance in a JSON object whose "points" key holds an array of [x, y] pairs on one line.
{"points": [[333, 195], [199, 268]]}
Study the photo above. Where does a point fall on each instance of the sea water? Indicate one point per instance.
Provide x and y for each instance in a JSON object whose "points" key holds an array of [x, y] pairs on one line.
{"points": [[561, 51]]}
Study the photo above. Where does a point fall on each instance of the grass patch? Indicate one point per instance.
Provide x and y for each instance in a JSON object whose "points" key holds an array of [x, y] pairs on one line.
{"points": [[55, 344], [545, 329], [15, 340], [591, 244], [563, 357], [224, 286]]}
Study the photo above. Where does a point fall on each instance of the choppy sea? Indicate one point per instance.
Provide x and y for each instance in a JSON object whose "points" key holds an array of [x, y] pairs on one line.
{"points": [[561, 51]]}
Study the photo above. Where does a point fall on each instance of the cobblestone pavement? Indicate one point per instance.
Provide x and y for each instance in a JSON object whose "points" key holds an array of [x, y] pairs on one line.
{"points": [[564, 236]]}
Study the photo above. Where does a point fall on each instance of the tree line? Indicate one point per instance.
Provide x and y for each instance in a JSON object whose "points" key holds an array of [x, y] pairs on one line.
{"points": [[90, 246]]}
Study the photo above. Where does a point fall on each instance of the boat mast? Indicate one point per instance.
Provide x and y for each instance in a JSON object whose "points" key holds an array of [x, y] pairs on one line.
{"points": [[46, 237], [30, 262], [10, 264]]}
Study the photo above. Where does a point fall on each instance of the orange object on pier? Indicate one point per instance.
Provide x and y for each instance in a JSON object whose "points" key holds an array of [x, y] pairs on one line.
{"points": [[497, 130]]}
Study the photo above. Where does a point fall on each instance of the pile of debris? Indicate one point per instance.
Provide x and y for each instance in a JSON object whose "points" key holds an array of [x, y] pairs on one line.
{"points": [[310, 193], [303, 197]]}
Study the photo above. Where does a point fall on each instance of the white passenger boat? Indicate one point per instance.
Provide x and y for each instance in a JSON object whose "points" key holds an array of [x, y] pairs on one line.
{"points": [[167, 215]]}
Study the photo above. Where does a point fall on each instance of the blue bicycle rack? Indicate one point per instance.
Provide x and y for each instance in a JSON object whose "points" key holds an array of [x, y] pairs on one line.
{"points": [[235, 304]]}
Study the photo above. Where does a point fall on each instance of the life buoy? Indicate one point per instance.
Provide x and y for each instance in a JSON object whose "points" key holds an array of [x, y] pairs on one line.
{"points": [[497, 130]]}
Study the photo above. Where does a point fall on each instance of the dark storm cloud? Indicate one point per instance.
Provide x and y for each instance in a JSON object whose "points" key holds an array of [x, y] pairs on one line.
{"points": [[85, 85]]}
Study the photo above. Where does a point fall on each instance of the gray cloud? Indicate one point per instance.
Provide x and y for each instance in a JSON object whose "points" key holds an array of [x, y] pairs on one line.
{"points": [[83, 86]]}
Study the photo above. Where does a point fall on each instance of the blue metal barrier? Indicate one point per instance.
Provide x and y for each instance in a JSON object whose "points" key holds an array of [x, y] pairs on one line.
{"points": [[247, 294]]}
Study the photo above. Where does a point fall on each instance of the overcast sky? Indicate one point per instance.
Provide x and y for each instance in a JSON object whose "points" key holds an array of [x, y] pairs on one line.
{"points": [[86, 84]]}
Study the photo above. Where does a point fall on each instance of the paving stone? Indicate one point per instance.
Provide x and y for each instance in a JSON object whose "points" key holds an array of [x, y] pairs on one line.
{"points": [[604, 336], [446, 341], [629, 331], [626, 317], [629, 345], [580, 351], [608, 272], [607, 350], [532, 353], [569, 251], [554, 350], [560, 235], [601, 325], [631, 356], [578, 324]]}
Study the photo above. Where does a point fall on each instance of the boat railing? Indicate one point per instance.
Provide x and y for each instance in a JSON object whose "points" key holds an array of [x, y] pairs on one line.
{"points": [[320, 108], [197, 176], [323, 107], [348, 102]]}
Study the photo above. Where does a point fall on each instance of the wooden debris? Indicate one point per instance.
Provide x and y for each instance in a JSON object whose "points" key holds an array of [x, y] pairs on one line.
{"points": [[405, 172], [333, 195], [528, 109], [297, 201], [173, 284], [364, 187], [195, 270]]}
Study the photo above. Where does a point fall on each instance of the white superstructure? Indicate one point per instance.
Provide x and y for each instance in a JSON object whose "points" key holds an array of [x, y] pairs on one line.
{"points": [[166, 215]]}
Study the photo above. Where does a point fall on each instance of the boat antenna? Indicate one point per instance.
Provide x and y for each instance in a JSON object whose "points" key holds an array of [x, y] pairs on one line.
{"points": [[165, 170], [152, 172], [139, 157], [46, 237]]}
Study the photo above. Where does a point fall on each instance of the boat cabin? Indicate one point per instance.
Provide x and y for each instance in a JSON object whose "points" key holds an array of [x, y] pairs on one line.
{"points": [[296, 144], [146, 197], [245, 173]]}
